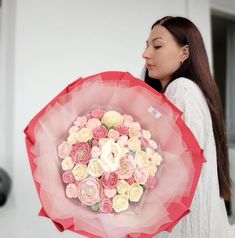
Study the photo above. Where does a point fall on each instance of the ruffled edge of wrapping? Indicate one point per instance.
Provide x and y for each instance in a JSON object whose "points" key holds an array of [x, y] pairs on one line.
{"points": [[176, 212]]}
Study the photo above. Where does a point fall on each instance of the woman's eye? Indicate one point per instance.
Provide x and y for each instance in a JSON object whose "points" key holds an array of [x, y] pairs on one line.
{"points": [[157, 47]]}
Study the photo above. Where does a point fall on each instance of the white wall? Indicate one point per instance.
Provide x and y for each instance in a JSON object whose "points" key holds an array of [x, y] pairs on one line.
{"points": [[57, 41], [7, 22]]}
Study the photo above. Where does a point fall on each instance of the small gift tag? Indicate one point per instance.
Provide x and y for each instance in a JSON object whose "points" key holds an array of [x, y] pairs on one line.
{"points": [[154, 112]]}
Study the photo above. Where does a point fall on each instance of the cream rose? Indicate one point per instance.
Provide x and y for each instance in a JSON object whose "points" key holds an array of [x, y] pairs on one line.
{"points": [[112, 119], [84, 135], [146, 134], [120, 203], [94, 168], [134, 143], [156, 158], [149, 152], [103, 141], [135, 192], [72, 138], [152, 169], [136, 126], [122, 186], [141, 158], [80, 172], [67, 164]]}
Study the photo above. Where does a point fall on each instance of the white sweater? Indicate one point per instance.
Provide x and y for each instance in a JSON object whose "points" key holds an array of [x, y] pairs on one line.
{"points": [[208, 218]]}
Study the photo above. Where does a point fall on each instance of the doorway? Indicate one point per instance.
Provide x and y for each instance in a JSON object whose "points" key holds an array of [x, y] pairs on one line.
{"points": [[223, 48]]}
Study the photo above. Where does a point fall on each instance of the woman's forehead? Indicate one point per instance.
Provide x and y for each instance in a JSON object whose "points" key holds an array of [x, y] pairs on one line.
{"points": [[160, 33]]}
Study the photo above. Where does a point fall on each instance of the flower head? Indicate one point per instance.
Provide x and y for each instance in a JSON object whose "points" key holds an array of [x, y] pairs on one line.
{"points": [[90, 191], [120, 202], [81, 153], [112, 119]]}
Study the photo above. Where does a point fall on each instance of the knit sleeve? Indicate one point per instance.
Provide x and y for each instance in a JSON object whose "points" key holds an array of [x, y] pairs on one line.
{"points": [[187, 97]]}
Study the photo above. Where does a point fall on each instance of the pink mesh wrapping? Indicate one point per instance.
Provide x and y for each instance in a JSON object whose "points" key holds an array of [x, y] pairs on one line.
{"points": [[159, 209]]}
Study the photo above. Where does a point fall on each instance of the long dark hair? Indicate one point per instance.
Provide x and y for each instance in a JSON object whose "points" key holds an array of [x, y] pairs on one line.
{"points": [[197, 69]]}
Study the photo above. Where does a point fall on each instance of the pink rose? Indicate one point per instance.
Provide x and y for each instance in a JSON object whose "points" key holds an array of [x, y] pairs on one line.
{"points": [[123, 141], [109, 180], [100, 132], [127, 120], [90, 191], [106, 205], [127, 124], [77, 182], [152, 144], [80, 122], [141, 175], [133, 132], [113, 134], [64, 149], [71, 190], [95, 142], [73, 129], [93, 123], [88, 116], [123, 130], [131, 180], [95, 152], [81, 153], [109, 193], [151, 182], [144, 142], [97, 114], [127, 167], [68, 177]]}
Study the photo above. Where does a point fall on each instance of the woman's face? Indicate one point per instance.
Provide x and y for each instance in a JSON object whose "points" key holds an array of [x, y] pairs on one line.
{"points": [[163, 55]]}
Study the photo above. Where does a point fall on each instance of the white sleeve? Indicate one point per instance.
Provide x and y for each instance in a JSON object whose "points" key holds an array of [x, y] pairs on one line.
{"points": [[207, 204], [187, 97]]}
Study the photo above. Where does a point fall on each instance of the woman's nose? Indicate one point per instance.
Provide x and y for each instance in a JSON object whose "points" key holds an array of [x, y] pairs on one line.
{"points": [[146, 54]]}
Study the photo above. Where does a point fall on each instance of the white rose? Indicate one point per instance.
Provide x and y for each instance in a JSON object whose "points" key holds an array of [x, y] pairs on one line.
{"points": [[110, 156]]}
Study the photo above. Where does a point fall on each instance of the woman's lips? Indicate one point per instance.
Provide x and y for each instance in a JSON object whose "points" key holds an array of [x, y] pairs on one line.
{"points": [[150, 66]]}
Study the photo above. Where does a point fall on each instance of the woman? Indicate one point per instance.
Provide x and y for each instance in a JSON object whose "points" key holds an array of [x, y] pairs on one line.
{"points": [[177, 65]]}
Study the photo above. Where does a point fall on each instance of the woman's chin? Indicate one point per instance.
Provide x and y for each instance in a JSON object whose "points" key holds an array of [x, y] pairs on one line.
{"points": [[153, 75]]}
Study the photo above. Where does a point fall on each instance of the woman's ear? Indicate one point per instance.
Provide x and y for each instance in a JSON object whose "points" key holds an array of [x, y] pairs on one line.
{"points": [[185, 53]]}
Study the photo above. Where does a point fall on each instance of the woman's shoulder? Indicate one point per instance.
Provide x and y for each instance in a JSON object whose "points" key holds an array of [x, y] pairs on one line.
{"points": [[188, 97], [183, 83], [184, 87]]}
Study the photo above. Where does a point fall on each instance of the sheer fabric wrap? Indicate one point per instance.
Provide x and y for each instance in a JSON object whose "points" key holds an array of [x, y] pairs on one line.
{"points": [[159, 209]]}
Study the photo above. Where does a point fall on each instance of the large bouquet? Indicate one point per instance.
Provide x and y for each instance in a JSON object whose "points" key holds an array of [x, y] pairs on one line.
{"points": [[108, 160], [111, 157]]}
